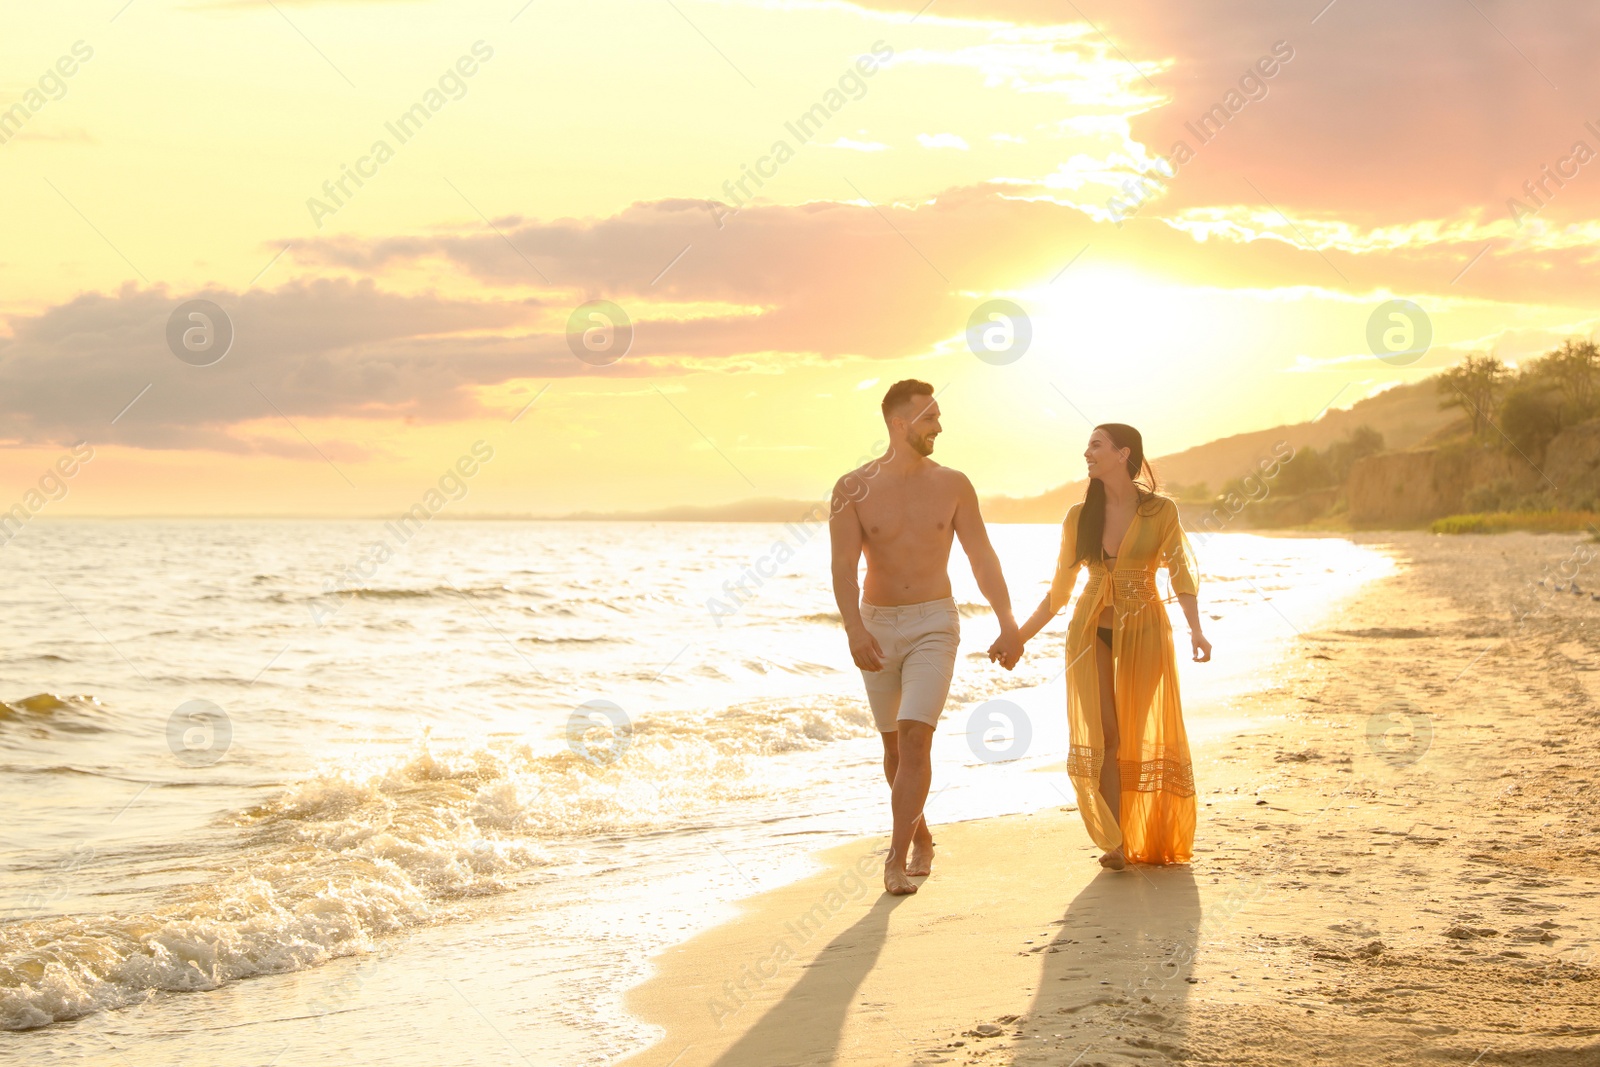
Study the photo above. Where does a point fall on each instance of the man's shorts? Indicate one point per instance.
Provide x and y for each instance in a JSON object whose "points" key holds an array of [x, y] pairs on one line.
{"points": [[919, 658]]}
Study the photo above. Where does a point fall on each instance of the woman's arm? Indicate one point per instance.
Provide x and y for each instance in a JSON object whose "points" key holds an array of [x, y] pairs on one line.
{"points": [[1200, 648], [1038, 620], [1066, 576], [1179, 561]]}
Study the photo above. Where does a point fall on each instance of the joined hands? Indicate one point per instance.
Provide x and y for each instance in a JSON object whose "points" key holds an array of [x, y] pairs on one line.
{"points": [[1007, 648]]}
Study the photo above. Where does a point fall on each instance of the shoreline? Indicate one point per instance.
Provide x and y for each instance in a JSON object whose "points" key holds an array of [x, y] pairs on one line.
{"points": [[1336, 909]]}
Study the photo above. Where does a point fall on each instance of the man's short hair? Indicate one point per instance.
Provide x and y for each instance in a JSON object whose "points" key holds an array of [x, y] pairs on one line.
{"points": [[902, 391]]}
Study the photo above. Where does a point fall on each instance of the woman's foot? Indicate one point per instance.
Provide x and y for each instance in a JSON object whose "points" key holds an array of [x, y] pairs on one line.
{"points": [[1113, 860]]}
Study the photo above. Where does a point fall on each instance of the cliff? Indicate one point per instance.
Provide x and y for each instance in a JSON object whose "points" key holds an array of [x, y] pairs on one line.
{"points": [[1416, 486], [1573, 463]]}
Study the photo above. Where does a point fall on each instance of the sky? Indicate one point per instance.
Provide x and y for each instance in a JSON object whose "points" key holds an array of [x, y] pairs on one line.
{"points": [[403, 217]]}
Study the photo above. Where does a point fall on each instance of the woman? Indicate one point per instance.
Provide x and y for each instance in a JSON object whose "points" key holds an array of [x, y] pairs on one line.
{"points": [[1122, 677]]}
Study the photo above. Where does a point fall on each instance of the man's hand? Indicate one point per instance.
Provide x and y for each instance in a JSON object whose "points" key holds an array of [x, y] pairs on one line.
{"points": [[1007, 648], [866, 651]]}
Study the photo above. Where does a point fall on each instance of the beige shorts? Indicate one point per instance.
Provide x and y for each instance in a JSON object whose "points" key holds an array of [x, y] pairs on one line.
{"points": [[919, 644]]}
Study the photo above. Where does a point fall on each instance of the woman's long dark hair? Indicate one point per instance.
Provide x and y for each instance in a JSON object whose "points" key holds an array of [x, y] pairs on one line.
{"points": [[1092, 516]]}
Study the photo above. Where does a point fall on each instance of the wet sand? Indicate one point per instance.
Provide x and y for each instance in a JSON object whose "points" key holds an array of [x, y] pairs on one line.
{"points": [[1398, 862]]}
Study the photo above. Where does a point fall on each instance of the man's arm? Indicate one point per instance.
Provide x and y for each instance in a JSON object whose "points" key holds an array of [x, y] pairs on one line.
{"points": [[986, 569], [844, 532]]}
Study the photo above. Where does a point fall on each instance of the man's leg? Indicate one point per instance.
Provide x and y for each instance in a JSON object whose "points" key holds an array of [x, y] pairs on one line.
{"points": [[933, 641], [913, 773], [921, 859]]}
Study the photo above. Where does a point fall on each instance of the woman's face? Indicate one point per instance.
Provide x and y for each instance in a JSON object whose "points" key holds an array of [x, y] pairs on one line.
{"points": [[1102, 457]]}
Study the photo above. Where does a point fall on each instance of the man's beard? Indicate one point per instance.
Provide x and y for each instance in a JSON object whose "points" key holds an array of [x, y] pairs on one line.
{"points": [[922, 445]]}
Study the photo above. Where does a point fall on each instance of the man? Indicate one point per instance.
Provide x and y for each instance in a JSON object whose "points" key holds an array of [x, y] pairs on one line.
{"points": [[902, 509]]}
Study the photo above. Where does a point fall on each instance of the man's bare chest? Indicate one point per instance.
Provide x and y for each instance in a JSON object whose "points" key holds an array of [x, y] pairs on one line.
{"points": [[906, 513]]}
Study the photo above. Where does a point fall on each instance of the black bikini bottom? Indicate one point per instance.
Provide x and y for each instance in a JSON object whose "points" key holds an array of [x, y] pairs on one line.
{"points": [[1105, 634]]}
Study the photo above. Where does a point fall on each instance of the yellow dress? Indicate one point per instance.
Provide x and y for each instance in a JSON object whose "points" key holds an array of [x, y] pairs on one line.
{"points": [[1158, 808]]}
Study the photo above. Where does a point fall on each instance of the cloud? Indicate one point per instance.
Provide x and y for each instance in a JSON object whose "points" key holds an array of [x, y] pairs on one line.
{"points": [[850, 279], [824, 277], [1386, 113], [314, 349], [942, 140], [770, 286], [857, 146], [773, 285], [77, 135], [225, 4]]}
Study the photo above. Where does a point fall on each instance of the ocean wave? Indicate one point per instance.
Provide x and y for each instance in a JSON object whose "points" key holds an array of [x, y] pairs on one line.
{"points": [[64, 770], [322, 872], [806, 667], [71, 714], [283, 916], [778, 725], [396, 593], [832, 618], [826, 618], [366, 849]]}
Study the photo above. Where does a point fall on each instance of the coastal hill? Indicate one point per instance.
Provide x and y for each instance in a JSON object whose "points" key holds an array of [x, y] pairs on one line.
{"points": [[1406, 416], [757, 509]]}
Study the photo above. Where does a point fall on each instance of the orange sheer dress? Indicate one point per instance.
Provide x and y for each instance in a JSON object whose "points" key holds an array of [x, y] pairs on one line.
{"points": [[1158, 808]]}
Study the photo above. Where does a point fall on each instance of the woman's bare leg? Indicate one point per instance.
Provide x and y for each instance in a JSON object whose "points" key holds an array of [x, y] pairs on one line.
{"points": [[1110, 770]]}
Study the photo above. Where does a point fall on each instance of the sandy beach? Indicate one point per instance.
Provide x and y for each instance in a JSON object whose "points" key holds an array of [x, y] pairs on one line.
{"points": [[1396, 863]]}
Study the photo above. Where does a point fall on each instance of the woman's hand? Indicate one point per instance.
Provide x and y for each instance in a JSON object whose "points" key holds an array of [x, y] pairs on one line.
{"points": [[1201, 647]]}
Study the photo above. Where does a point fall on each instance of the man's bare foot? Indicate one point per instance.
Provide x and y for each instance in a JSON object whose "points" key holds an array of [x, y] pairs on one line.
{"points": [[895, 882], [1114, 860], [921, 861]]}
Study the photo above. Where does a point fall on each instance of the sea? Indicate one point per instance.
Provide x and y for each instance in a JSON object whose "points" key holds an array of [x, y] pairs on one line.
{"points": [[292, 792]]}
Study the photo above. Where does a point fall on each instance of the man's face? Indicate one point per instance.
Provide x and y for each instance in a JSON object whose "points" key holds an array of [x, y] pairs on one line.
{"points": [[921, 418]]}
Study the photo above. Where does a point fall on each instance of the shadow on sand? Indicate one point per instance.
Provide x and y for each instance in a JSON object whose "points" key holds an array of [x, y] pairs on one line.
{"points": [[805, 1026], [1114, 980]]}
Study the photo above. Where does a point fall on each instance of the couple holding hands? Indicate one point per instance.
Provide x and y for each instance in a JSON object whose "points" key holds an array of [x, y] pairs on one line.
{"points": [[1128, 756]]}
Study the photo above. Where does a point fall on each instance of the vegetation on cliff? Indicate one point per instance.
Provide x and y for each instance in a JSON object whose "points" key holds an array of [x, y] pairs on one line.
{"points": [[1501, 521], [1524, 455]]}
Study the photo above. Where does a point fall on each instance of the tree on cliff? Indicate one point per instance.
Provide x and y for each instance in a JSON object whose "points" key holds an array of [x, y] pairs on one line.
{"points": [[1531, 418], [1308, 470], [1549, 394], [1358, 443], [1573, 368], [1475, 386]]}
